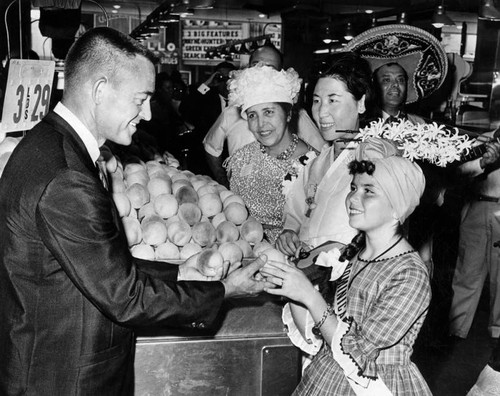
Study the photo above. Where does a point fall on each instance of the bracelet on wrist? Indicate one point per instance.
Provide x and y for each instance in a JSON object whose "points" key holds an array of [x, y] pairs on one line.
{"points": [[316, 328]]}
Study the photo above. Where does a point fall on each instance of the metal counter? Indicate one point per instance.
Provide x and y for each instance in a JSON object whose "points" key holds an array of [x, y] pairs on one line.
{"points": [[250, 354]]}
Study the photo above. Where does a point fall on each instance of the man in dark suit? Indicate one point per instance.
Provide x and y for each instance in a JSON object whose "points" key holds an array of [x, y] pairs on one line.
{"points": [[70, 291]]}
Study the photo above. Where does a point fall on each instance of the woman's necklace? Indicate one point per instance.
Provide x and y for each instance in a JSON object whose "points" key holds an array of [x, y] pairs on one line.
{"points": [[287, 154], [375, 259]]}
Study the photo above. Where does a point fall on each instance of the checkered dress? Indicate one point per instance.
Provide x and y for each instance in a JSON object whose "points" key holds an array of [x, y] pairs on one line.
{"points": [[387, 301]]}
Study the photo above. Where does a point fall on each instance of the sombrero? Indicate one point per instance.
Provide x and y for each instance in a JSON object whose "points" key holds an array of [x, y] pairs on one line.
{"points": [[417, 51]]}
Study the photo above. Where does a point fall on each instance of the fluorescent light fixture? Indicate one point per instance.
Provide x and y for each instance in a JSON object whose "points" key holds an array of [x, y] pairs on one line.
{"points": [[439, 18]]}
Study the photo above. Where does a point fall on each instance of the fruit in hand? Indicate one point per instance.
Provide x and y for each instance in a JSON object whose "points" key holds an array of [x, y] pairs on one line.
{"points": [[209, 261]]}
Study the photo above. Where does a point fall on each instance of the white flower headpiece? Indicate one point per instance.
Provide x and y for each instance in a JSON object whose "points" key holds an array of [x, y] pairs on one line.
{"points": [[429, 142], [262, 84]]}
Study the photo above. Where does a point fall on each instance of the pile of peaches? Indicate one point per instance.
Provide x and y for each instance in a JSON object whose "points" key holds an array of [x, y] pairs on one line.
{"points": [[170, 214]]}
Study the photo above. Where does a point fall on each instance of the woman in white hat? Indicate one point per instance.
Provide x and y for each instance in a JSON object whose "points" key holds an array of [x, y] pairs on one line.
{"points": [[361, 322], [259, 171]]}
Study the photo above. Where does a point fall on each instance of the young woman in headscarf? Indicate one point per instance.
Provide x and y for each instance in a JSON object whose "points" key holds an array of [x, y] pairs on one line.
{"points": [[362, 321], [258, 171]]}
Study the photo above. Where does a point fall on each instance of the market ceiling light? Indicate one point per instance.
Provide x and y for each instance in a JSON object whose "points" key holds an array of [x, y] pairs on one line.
{"points": [[402, 18], [349, 33], [440, 19], [488, 11]]}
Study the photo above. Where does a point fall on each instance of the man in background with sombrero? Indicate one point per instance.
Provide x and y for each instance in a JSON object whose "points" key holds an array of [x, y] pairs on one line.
{"points": [[408, 65]]}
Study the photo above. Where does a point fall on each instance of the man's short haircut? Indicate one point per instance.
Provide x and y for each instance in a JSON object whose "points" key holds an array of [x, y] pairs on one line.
{"points": [[101, 50], [268, 47]]}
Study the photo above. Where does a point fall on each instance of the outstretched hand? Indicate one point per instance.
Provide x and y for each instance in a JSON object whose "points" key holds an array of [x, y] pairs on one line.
{"points": [[192, 269], [245, 281], [289, 243], [292, 282]]}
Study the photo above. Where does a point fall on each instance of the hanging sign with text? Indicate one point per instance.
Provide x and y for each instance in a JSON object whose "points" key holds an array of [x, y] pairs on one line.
{"points": [[197, 40], [27, 94]]}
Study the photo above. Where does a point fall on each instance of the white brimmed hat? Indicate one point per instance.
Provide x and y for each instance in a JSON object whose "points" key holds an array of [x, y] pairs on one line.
{"points": [[262, 84], [417, 51]]}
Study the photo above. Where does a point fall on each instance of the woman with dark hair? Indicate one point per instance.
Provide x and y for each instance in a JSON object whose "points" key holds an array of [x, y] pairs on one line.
{"points": [[314, 209], [361, 322], [257, 171]]}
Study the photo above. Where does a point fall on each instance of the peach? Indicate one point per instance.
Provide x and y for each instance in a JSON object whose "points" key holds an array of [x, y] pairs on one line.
{"points": [[117, 183], [236, 213], [146, 210], [210, 204], [227, 232], [259, 247], [231, 252], [159, 185], [122, 204], [245, 247], [140, 177], [209, 261], [274, 254], [221, 188], [225, 194], [197, 183], [179, 176], [167, 251], [189, 249], [179, 233], [171, 220], [186, 194], [154, 232], [150, 218], [111, 164], [188, 173], [207, 189], [218, 218], [143, 251], [233, 198], [133, 230], [176, 185], [159, 172], [204, 234], [252, 231], [190, 213], [166, 205], [8, 144], [138, 195], [133, 167]]}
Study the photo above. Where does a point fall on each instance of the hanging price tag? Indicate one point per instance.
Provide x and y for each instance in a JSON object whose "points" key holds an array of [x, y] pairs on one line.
{"points": [[27, 94]]}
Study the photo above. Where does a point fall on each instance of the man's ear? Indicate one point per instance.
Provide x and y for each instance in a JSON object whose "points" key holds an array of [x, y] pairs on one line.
{"points": [[361, 105], [98, 89]]}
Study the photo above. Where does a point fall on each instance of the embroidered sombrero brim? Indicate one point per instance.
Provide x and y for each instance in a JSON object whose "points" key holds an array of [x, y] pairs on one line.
{"points": [[417, 51]]}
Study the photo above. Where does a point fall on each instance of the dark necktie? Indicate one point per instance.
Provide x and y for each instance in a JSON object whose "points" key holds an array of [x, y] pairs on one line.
{"points": [[101, 167]]}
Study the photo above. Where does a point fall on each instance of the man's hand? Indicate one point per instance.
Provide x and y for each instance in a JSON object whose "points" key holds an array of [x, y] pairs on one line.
{"points": [[191, 269], [491, 155], [243, 281], [213, 79], [288, 243]]}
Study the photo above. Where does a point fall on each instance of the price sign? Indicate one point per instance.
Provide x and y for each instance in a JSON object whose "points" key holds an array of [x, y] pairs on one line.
{"points": [[27, 94]]}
